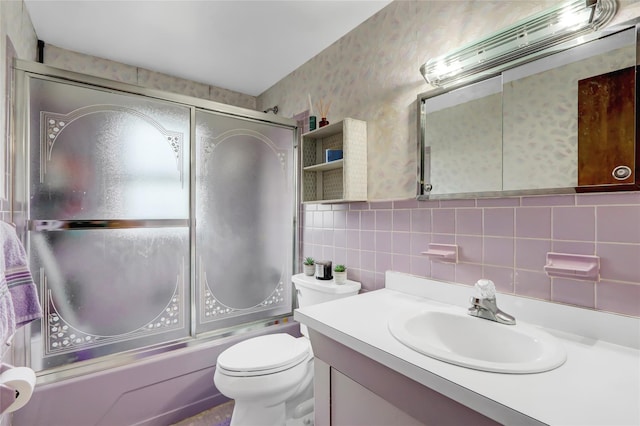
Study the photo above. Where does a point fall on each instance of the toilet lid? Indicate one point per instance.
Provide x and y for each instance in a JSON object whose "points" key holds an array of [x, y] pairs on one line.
{"points": [[264, 354]]}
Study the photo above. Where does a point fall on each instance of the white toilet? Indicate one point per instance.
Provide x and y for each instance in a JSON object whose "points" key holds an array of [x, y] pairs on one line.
{"points": [[270, 377]]}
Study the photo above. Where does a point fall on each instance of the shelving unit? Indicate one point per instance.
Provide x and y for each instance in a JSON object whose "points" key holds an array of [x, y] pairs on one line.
{"points": [[336, 181]]}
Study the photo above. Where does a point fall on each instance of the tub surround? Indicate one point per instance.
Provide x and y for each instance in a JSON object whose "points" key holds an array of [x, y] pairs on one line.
{"points": [[597, 385]]}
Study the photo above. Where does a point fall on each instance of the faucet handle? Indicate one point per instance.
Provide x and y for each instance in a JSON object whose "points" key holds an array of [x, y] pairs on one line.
{"points": [[485, 289]]}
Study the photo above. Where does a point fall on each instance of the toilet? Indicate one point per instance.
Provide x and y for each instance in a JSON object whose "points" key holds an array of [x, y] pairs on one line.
{"points": [[270, 377]]}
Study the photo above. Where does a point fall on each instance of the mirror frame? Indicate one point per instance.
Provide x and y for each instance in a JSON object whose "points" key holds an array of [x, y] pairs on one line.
{"points": [[424, 154]]}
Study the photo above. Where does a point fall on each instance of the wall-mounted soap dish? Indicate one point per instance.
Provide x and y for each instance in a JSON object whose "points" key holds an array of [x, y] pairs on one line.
{"points": [[576, 266], [442, 252]]}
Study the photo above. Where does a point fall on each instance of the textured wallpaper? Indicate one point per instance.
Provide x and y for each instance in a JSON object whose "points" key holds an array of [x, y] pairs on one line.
{"points": [[372, 74], [103, 68]]}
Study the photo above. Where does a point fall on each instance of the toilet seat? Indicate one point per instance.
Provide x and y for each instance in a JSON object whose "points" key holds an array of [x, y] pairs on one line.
{"points": [[263, 355]]}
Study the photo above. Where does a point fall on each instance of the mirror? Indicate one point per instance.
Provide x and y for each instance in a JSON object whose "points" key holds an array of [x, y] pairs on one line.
{"points": [[562, 122], [463, 129]]}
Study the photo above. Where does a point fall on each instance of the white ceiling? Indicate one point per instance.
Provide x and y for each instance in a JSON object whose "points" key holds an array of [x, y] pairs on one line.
{"points": [[240, 45]]}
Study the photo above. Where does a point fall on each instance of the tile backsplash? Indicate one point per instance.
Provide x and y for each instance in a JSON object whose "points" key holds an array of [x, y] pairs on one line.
{"points": [[502, 239]]}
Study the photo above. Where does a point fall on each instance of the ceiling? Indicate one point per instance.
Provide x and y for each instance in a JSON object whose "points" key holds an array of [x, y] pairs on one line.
{"points": [[245, 46]]}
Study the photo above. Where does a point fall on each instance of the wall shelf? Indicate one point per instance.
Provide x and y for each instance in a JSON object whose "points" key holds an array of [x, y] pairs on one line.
{"points": [[338, 181], [337, 164]]}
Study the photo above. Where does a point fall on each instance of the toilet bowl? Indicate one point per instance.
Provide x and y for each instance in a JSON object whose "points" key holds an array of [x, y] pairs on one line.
{"points": [[270, 377], [261, 374]]}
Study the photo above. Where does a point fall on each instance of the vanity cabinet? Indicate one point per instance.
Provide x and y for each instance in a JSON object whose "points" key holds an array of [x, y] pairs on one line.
{"points": [[352, 389], [340, 180], [361, 369]]}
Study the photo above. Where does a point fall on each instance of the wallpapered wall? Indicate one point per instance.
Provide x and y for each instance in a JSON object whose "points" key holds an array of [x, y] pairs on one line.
{"points": [[373, 74], [103, 68]]}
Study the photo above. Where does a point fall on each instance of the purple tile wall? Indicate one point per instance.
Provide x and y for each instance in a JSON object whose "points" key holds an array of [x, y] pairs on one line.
{"points": [[503, 239]]}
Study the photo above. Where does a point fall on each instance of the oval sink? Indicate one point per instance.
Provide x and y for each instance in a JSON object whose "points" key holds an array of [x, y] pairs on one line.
{"points": [[457, 338]]}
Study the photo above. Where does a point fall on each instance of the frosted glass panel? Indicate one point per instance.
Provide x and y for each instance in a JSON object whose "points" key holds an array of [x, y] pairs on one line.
{"points": [[105, 291], [244, 219], [102, 155], [107, 160], [109, 219]]}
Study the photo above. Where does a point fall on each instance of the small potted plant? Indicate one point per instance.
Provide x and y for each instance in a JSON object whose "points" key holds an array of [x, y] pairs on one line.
{"points": [[309, 266], [340, 274]]}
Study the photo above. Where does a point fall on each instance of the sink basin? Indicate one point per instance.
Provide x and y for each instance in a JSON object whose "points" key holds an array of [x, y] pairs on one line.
{"points": [[455, 337]]}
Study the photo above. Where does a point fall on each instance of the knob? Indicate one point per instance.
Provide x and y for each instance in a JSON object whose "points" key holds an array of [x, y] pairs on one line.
{"points": [[621, 172]]}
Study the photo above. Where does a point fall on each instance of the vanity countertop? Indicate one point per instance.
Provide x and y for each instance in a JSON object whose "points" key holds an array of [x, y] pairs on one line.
{"points": [[599, 384]]}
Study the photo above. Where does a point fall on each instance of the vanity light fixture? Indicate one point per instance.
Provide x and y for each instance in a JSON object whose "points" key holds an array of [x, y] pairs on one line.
{"points": [[561, 24]]}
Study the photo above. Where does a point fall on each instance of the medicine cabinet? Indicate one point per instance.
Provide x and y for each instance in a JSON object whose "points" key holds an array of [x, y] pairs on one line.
{"points": [[563, 122]]}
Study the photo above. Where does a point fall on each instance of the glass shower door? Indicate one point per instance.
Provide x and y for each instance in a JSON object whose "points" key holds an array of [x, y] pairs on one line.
{"points": [[108, 220], [244, 220]]}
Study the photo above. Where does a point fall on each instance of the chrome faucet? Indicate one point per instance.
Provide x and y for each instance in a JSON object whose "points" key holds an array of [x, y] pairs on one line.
{"points": [[484, 305]]}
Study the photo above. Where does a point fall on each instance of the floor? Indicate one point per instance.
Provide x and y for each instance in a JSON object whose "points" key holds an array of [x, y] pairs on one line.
{"points": [[216, 416], [221, 416]]}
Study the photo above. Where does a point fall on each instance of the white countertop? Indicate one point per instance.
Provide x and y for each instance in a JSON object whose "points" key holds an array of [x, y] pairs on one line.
{"points": [[599, 384]]}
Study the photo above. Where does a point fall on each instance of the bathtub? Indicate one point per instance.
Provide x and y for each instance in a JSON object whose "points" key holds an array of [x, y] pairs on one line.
{"points": [[158, 390]]}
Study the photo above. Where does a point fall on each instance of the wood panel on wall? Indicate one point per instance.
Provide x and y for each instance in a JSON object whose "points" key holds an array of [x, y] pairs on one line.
{"points": [[606, 127]]}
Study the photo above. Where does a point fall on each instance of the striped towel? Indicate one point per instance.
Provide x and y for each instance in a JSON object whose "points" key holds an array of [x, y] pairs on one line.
{"points": [[15, 273]]}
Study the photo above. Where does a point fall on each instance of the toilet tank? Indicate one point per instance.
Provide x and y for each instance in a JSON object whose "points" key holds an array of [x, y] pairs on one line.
{"points": [[311, 291]]}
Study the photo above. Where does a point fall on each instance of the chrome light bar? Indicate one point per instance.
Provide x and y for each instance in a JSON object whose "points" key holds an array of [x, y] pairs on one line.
{"points": [[544, 30]]}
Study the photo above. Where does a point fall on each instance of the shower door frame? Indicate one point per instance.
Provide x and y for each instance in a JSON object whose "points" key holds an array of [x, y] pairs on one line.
{"points": [[19, 173]]}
